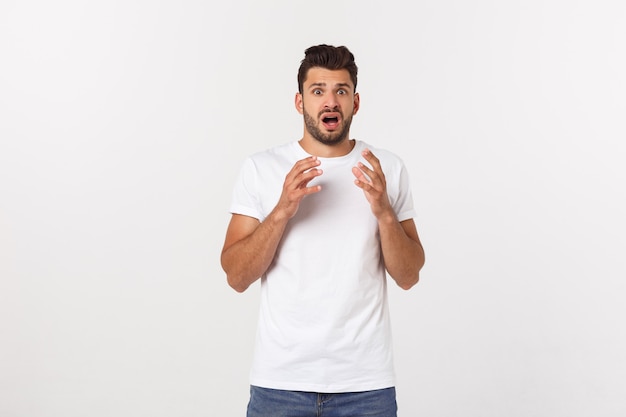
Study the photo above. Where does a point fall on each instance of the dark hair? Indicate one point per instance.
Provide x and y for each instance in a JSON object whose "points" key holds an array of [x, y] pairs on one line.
{"points": [[329, 57]]}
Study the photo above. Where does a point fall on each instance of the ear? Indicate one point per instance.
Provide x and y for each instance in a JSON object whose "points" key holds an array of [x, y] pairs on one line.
{"points": [[357, 103], [299, 104]]}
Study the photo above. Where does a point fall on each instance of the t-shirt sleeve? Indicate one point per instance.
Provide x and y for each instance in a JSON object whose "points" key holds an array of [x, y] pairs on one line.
{"points": [[245, 196], [403, 203]]}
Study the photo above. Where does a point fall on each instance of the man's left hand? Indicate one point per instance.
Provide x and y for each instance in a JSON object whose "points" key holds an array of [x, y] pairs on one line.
{"points": [[372, 182]]}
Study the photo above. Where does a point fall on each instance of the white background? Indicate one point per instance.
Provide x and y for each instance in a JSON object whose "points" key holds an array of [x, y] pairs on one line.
{"points": [[123, 125]]}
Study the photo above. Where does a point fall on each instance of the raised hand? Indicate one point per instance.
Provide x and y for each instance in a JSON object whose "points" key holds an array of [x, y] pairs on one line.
{"points": [[372, 182], [295, 187]]}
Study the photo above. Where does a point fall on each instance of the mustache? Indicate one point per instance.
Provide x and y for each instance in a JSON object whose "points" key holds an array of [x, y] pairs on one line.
{"points": [[333, 110]]}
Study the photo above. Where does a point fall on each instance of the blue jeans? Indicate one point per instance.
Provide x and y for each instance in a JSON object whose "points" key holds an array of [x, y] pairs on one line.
{"points": [[266, 402]]}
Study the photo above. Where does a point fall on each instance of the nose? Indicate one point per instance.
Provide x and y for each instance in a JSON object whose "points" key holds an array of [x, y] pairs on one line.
{"points": [[331, 102]]}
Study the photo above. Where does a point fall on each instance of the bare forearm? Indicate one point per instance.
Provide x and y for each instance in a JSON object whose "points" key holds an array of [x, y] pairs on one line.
{"points": [[247, 260], [250, 246], [401, 248], [402, 251]]}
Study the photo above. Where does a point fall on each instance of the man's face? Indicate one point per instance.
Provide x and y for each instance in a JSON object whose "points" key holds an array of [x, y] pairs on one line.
{"points": [[328, 103]]}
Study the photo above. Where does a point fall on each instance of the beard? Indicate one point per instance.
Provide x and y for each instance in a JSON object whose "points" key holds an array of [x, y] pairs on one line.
{"points": [[331, 138]]}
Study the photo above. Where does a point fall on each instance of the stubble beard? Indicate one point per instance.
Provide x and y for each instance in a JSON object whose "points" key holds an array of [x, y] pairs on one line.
{"points": [[332, 138]]}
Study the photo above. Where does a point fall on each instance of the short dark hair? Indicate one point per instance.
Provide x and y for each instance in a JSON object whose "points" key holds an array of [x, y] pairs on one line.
{"points": [[329, 57]]}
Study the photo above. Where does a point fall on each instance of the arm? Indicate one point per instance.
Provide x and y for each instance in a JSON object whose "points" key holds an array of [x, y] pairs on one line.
{"points": [[402, 250], [250, 245]]}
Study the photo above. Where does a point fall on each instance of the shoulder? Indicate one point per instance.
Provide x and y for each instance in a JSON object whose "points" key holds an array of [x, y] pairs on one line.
{"points": [[276, 151], [271, 163], [285, 151]]}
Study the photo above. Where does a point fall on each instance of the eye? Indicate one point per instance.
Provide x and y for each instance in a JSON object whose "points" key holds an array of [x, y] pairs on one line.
{"points": [[317, 92], [342, 92]]}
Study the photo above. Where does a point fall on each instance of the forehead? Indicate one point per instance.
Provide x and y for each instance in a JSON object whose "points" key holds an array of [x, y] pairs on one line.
{"points": [[318, 75]]}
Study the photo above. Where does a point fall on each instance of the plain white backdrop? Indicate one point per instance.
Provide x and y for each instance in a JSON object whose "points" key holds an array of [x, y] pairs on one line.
{"points": [[124, 123]]}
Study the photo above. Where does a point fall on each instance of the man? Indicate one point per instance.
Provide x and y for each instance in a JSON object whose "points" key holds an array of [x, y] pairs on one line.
{"points": [[320, 220]]}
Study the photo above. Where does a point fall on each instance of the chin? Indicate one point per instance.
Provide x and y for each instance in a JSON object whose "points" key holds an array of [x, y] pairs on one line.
{"points": [[331, 141]]}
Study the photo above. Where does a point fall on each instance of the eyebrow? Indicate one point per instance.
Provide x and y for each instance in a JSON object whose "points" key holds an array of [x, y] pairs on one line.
{"points": [[344, 85]]}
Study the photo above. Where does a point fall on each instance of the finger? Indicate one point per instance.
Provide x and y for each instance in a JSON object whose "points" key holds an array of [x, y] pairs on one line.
{"points": [[364, 186], [361, 179], [302, 166], [376, 172], [296, 192], [302, 190], [311, 190], [372, 159], [305, 164], [305, 171], [364, 169], [304, 178]]}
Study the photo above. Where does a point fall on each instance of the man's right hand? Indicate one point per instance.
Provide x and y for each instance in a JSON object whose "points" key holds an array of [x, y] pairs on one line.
{"points": [[296, 186], [250, 245]]}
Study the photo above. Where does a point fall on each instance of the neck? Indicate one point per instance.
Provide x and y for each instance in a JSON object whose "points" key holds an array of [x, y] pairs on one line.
{"points": [[316, 148]]}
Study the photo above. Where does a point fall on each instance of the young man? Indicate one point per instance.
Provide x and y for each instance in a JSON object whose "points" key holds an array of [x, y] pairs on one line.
{"points": [[320, 221]]}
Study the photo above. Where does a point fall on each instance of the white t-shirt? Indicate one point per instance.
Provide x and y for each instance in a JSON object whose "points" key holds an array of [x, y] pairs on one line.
{"points": [[324, 319]]}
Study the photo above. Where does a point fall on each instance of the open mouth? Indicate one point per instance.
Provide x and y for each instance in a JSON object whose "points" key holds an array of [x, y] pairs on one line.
{"points": [[330, 121]]}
